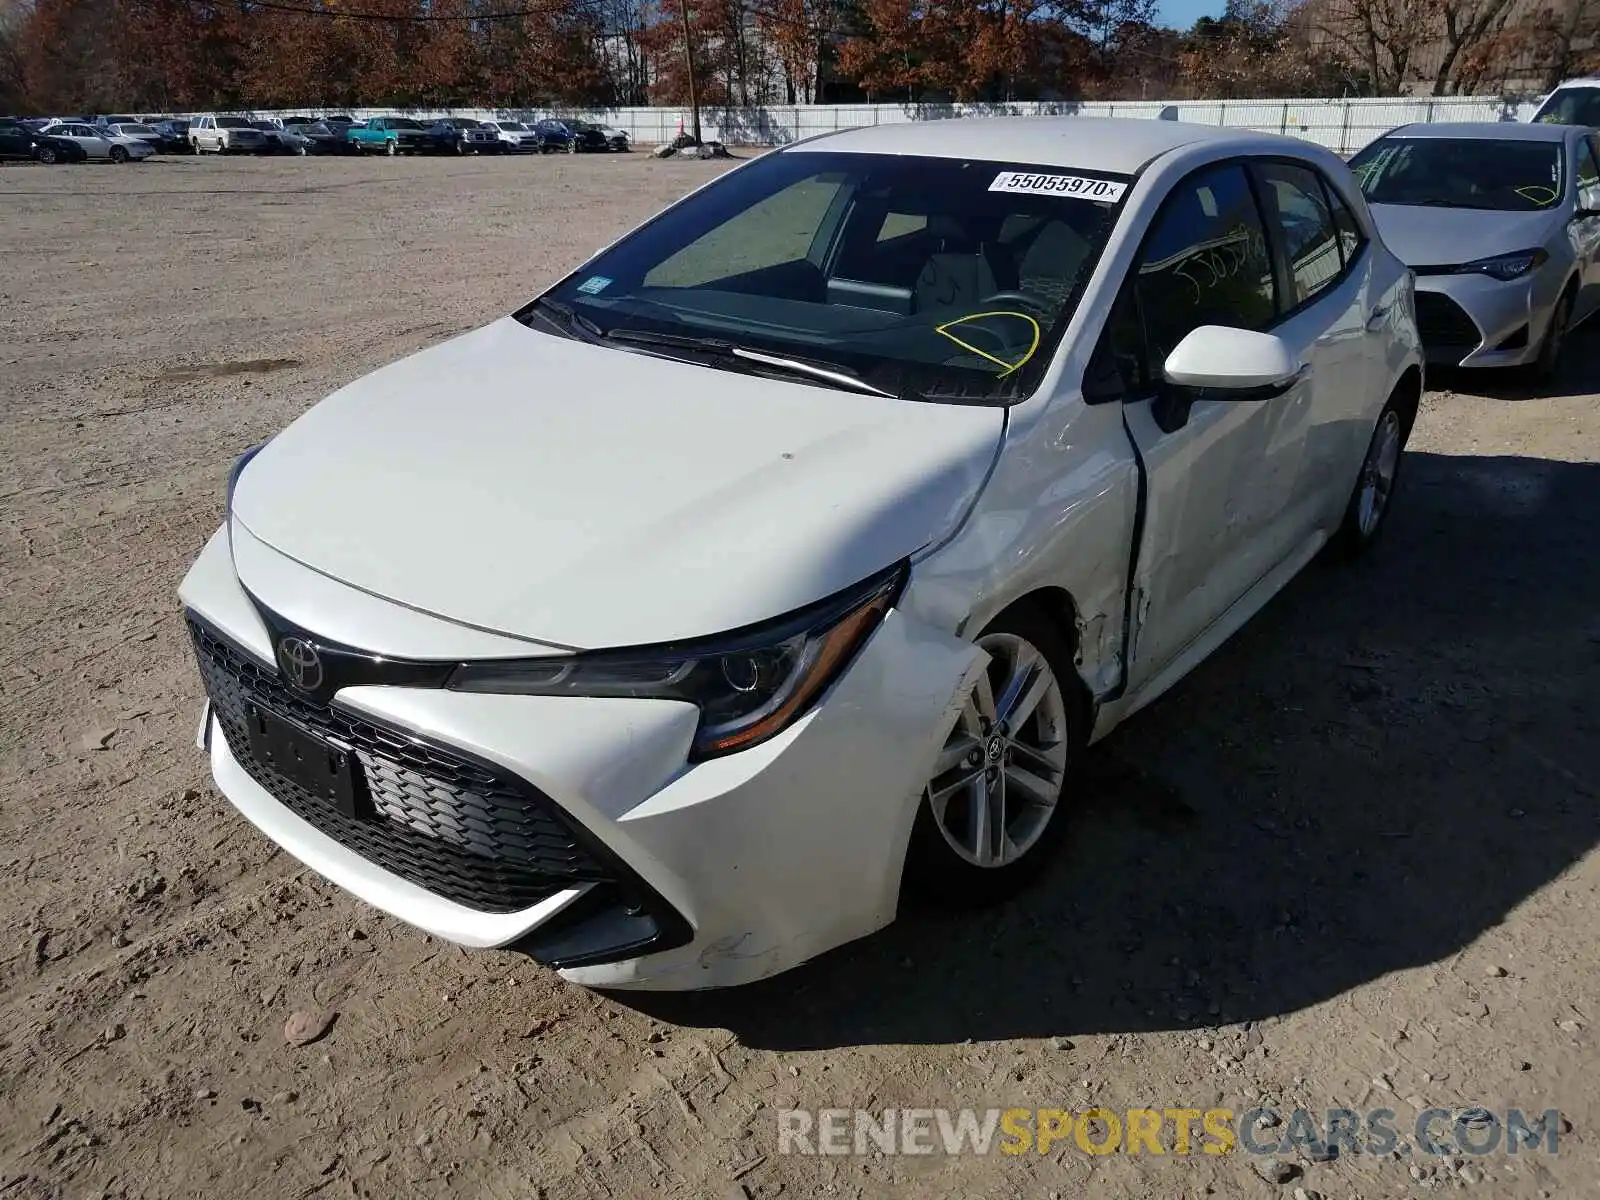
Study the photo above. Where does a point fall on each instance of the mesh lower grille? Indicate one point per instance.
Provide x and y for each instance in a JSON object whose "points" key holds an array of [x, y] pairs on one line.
{"points": [[463, 830], [1445, 324]]}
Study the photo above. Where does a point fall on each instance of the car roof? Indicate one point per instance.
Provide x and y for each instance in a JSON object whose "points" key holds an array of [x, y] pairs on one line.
{"points": [[1120, 145], [1501, 131], [1584, 81]]}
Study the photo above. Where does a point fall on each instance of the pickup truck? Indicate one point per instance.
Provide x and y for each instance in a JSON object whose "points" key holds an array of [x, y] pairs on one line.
{"points": [[391, 135]]}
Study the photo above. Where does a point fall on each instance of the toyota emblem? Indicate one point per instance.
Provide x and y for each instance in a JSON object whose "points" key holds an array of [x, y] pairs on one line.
{"points": [[301, 664]]}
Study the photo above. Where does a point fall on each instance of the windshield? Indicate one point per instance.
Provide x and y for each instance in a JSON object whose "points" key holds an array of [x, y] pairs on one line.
{"points": [[942, 279], [232, 123], [133, 130], [403, 123], [1571, 106], [1513, 176], [512, 126]]}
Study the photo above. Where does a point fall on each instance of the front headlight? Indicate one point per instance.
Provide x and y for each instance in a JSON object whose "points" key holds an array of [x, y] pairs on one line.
{"points": [[1506, 267], [749, 685]]}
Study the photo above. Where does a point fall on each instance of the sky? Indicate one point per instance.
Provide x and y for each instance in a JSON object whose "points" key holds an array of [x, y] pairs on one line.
{"points": [[1180, 14]]}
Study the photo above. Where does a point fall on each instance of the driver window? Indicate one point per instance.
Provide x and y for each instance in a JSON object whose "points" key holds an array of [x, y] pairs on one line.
{"points": [[1205, 261]]}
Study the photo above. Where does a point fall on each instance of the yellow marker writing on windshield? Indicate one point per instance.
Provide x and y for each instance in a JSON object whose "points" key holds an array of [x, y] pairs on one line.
{"points": [[1006, 367], [1549, 196]]}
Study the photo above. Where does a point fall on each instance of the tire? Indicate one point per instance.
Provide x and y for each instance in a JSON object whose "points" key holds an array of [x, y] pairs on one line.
{"points": [[1544, 367], [119, 155], [572, 147], [1370, 500], [391, 148], [957, 859], [47, 155]]}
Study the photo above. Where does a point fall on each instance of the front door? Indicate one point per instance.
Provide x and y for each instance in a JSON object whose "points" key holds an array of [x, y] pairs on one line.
{"points": [[1205, 261]]}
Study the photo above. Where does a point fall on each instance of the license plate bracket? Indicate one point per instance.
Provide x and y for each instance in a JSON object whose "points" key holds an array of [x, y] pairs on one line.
{"points": [[327, 771]]}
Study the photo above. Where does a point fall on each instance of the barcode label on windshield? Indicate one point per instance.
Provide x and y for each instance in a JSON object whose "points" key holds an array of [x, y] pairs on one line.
{"points": [[1103, 190]]}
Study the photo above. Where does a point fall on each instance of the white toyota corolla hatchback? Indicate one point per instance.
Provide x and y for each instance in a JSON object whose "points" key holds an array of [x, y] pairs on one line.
{"points": [[790, 552]]}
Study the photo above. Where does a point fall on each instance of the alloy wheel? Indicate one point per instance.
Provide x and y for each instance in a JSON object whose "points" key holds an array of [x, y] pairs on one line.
{"points": [[1554, 337], [998, 779], [1377, 473]]}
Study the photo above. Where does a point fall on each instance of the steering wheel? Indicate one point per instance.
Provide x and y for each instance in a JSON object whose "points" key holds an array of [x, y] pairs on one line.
{"points": [[1036, 303]]}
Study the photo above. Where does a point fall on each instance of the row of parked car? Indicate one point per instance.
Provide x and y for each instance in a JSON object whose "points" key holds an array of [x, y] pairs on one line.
{"points": [[125, 139]]}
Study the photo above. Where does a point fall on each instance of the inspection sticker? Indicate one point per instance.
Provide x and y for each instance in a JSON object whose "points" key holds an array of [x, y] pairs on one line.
{"points": [[1103, 190], [594, 285]]}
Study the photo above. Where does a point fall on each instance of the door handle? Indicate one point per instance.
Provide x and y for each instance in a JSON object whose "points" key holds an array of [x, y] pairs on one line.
{"points": [[1376, 317]]}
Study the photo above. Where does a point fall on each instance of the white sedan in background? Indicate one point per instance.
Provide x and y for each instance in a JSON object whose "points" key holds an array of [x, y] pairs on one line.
{"points": [[786, 557], [101, 141]]}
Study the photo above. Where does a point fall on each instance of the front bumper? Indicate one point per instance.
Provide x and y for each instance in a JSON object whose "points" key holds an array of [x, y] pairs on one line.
{"points": [[745, 865], [1479, 321]]}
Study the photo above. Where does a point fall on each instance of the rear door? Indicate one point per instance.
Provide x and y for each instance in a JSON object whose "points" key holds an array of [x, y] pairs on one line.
{"points": [[1326, 317], [93, 144]]}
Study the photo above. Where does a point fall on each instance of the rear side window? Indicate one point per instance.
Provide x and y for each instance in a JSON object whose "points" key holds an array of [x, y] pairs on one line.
{"points": [[1351, 238], [1298, 207], [1205, 261]]}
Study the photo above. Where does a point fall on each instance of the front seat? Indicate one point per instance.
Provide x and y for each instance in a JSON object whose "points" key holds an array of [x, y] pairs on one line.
{"points": [[961, 272]]}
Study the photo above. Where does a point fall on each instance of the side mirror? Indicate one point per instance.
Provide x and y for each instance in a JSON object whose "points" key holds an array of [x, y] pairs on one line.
{"points": [[1235, 364]]}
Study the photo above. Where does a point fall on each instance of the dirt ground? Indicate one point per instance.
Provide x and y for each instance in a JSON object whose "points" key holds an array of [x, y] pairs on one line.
{"points": [[1350, 861]]}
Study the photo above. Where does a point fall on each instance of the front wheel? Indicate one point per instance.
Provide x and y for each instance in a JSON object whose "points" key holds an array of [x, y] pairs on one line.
{"points": [[47, 155], [997, 803], [1555, 339], [118, 155], [391, 148]]}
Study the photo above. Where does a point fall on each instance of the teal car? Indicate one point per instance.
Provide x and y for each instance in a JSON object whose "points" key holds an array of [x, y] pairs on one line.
{"points": [[391, 135]]}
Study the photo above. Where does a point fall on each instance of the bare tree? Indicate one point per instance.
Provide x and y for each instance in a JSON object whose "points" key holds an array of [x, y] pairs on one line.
{"points": [[1470, 27], [1382, 39]]}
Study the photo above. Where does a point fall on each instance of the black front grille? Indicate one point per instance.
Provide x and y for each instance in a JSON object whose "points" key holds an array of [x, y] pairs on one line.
{"points": [[460, 828], [1444, 324]]}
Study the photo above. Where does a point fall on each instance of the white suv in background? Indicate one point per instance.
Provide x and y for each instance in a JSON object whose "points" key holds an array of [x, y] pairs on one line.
{"points": [[514, 135], [226, 134], [1575, 102]]}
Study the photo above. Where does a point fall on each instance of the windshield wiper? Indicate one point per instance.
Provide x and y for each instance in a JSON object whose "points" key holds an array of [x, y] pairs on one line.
{"points": [[570, 317], [840, 377]]}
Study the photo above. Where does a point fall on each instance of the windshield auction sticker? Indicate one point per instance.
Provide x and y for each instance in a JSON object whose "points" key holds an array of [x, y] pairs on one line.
{"points": [[1104, 190]]}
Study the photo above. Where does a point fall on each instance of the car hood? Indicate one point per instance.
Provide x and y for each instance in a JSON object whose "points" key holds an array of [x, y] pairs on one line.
{"points": [[585, 496], [1423, 236]]}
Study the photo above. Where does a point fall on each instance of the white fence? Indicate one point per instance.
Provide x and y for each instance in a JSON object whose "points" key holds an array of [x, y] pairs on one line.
{"points": [[1341, 125]]}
